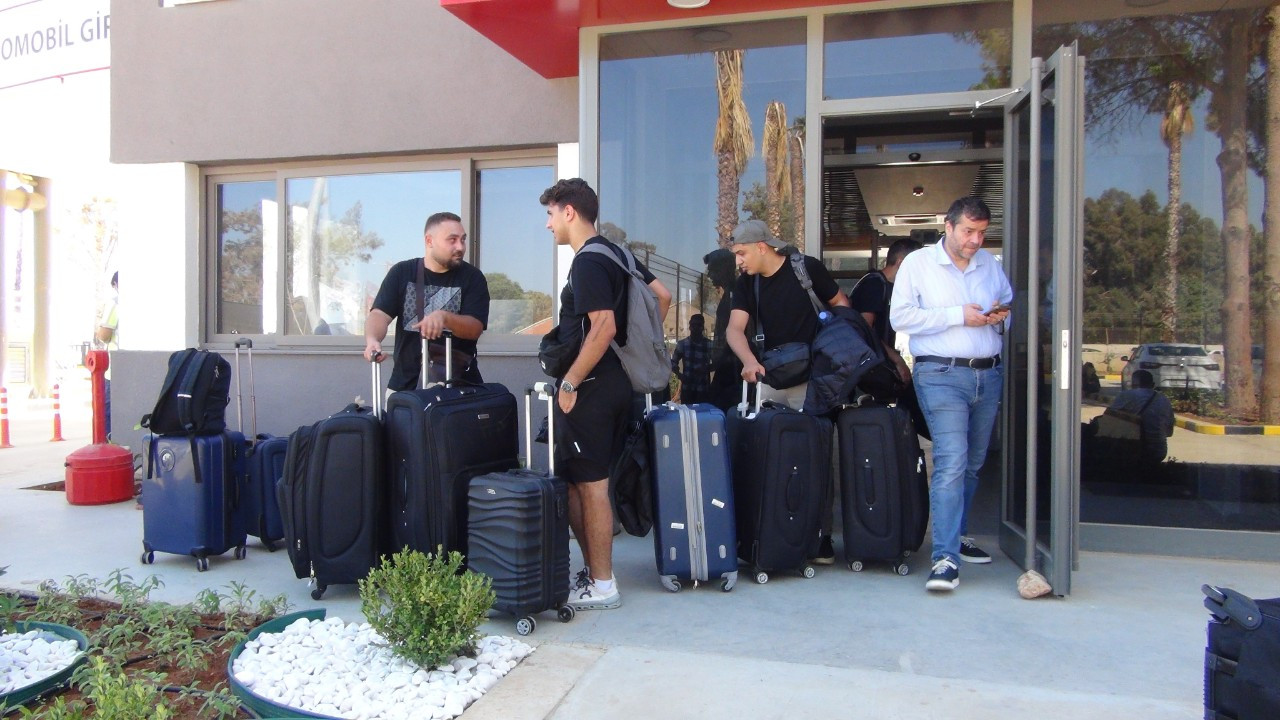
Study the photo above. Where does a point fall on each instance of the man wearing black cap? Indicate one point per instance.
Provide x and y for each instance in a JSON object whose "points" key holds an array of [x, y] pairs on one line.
{"points": [[783, 314]]}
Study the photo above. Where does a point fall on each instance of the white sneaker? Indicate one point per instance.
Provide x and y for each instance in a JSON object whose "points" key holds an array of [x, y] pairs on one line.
{"points": [[590, 598]]}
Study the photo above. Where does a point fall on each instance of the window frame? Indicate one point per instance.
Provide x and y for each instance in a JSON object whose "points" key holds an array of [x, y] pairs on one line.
{"points": [[465, 164]]}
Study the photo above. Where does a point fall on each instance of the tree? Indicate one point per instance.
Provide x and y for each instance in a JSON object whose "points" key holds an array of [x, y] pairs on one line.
{"points": [[755, 205], [1270, 284], [734, 144], [777, 171], [1177, 122], [795, 148]]}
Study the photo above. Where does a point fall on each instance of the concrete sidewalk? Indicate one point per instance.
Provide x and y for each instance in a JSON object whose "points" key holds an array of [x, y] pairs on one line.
{"points": [[1127, 643]]}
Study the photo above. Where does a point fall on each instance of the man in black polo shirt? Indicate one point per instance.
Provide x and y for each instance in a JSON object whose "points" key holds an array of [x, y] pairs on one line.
{"points": [[454, 297], [593, 402]]}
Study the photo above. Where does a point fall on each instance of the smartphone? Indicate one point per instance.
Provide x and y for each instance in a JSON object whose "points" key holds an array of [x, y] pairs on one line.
{"points": [[998, 307]]}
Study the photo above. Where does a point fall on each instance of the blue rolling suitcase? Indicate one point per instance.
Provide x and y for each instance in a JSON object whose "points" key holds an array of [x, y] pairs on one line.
{"points": [[518, 534], [191, 496], [695, 534], [265, 462]]}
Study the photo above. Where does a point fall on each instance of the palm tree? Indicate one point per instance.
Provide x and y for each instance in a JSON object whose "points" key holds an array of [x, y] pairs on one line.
{"points": [[777, 171], [1177, 122], [734, 144], [1270, 398], [795, 146]]}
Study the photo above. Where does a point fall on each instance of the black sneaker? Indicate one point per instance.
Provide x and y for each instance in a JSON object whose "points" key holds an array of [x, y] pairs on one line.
{"points": [[944, 577], [971, 553], [826, 553]]}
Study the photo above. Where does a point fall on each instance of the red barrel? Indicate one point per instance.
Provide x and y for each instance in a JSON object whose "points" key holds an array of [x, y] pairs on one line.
{"points": [[99, 474]]}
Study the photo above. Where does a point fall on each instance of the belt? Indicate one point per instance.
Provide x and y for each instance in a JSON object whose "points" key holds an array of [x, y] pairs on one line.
{"points": [[975, 363]]}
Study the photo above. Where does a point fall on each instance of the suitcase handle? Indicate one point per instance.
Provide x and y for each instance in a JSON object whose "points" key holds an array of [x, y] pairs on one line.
{"points": [[447, 334], [544, 390], [1227, 604], [253, 395], [377, 399], [742, 406]]}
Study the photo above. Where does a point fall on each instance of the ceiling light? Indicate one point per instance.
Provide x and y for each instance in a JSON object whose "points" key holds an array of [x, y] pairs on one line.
{"points": [[918, 191], [687, 4]]}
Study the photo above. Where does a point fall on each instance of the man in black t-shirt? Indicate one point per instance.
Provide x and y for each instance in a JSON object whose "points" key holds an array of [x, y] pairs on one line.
{"points": [[783, 313], [593, 402], [454, 296]]}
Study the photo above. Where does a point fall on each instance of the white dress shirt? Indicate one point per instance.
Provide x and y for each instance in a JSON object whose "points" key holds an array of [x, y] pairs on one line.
{"points": [[929, 295]]}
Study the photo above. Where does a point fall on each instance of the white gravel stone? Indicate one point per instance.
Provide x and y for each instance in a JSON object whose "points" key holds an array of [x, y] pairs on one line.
{"points": [[27, 658], [347, 670]]}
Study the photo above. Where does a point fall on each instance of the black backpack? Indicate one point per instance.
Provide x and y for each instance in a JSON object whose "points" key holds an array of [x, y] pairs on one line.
{"points": [[195, 395]]}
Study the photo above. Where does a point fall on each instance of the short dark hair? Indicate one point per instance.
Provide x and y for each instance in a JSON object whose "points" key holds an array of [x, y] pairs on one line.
{"points": [[901, 248], [968, 206], [438, 218], [696, 320], [1143, 379], [573, 192]]}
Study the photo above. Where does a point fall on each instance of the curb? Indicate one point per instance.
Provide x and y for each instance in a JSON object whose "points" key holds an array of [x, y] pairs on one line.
{"points": [[1215, 429]]}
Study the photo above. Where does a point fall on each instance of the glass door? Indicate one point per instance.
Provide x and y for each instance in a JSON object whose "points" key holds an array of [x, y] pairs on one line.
{"points": [[1044, 129]]}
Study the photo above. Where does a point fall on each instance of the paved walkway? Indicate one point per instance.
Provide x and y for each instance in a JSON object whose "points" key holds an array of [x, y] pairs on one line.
{"points": [[1127, 643]]}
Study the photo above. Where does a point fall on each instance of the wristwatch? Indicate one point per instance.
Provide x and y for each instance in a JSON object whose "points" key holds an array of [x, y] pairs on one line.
{"points": [[566, 386]]}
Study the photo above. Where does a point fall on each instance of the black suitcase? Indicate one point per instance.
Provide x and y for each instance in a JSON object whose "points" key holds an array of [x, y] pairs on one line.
{"points": [[694, 537], [781, 468], [518, 533], [884, 490], [332, 495], [1242, 658], [439, 437], [264, 462]]}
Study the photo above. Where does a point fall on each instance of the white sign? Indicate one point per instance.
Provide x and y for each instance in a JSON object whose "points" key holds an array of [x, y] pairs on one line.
{"points": [[43, 40]]}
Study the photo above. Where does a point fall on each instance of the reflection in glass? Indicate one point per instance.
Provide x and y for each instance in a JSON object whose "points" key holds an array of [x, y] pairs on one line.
{"points": [[345, 232], [246, 231], [516, 252], [929, 50], [1173, 234]]}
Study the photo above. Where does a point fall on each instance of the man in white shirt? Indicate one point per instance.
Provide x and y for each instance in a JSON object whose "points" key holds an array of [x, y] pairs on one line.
{"points": [[952, 299]]}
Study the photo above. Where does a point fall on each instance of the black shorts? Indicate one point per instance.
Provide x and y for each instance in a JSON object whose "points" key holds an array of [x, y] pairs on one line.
{"points": [[590, 437]]}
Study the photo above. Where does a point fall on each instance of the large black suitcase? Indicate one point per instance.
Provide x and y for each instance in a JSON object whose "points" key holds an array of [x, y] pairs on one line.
{"points": [[518, 534], [332, 495], [264, 462], [694, 536], [1242, 658], [884, 490], [439, 437], [781, 469]]}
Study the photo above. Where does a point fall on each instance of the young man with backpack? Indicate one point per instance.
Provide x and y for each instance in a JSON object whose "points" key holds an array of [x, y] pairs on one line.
{"points": [[593, 401], [783, 313]]}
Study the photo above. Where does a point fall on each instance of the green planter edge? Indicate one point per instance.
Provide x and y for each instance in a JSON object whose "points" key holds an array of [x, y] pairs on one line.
{"points": [[255, 702], [11, 701]]}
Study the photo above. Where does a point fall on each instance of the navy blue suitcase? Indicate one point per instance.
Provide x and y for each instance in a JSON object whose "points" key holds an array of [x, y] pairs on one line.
{"points": [[518, 534], [265, 465], [191, 496], [781, 468], [695, 534]]}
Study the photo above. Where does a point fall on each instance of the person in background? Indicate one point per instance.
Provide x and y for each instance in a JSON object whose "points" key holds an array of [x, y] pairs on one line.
{"points": [[952, 299], [455, 298], [1090, 385], [692, 363], [1154, 413], [107, 336]]}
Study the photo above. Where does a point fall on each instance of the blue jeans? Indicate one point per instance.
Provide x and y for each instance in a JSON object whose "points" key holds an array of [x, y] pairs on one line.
{"points": [[960, 404]]}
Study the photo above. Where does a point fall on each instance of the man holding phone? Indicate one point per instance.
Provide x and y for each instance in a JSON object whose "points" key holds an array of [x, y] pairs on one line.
{"points": [[953, 300]]}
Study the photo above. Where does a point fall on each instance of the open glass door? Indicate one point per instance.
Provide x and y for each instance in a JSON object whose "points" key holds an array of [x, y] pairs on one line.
{"points": [[1044, 132]]}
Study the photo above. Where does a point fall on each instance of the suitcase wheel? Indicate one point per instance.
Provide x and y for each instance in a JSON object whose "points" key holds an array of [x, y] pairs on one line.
{"points": [[270, 545], [526, 625], [856, 566], [241, 552], [148, 557], [902, 569], [202, 564], [726, 585], [762, 577], [670, 583], [808, 571], [317, 592], [566, 613]]}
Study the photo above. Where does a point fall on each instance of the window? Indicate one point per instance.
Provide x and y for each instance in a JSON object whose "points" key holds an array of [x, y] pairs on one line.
{"points": [[308, 276]]}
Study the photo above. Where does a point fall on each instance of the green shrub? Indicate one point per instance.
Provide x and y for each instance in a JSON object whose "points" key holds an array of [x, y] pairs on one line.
{"points": [[110, 694], [424, 606]]}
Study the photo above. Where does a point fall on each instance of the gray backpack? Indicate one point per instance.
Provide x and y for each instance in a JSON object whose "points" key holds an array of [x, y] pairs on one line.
{"points": [[644, 357]]}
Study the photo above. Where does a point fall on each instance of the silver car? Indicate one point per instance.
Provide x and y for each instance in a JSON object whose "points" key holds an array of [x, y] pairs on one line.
{"points": [[1173, 365]]}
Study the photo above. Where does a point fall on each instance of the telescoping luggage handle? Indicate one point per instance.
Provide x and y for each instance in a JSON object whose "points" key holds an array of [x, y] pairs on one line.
{"points": [[253, 395], [447, 334], [742, 406], [542, 390], [376, 397]]}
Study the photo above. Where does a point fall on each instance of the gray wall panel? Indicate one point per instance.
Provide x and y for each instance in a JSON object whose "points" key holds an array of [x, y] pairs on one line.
{"points": [[245, 80]]}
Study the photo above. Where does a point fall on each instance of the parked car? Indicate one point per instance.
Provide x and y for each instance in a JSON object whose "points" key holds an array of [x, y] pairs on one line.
{"points": [[1173, 365]]}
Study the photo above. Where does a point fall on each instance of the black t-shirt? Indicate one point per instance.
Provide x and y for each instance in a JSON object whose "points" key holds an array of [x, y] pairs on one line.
{"points": [[871, 295], [596, 283], [462, 290], [786, 313]]}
